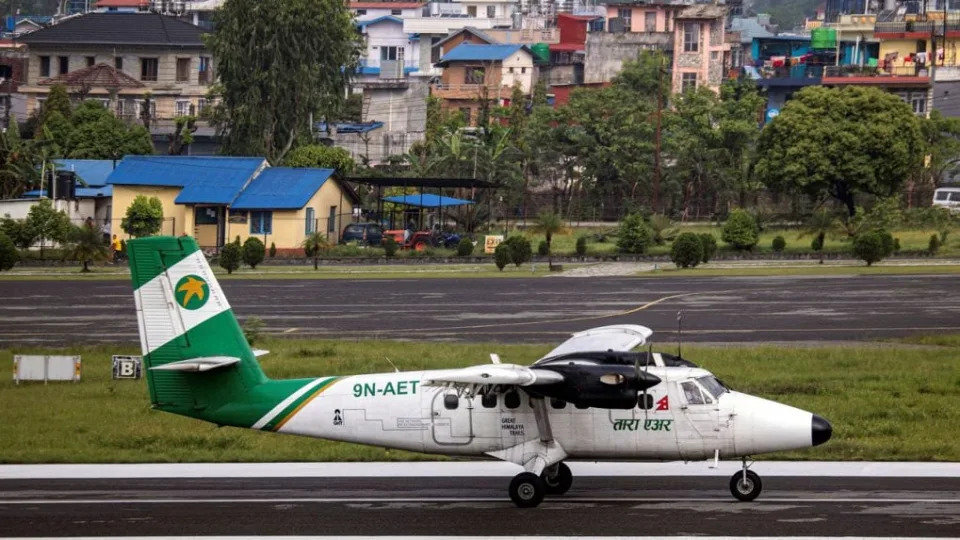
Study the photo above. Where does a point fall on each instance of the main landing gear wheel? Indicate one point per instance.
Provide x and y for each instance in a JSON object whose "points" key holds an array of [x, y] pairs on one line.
{"points": [[527, 490], [745, 489], [559, 480]]}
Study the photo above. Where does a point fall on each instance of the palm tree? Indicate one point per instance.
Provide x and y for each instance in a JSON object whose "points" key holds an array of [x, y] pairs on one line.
{"points": [[315, 244], [85, 244], [819, 225], [548, 223]]}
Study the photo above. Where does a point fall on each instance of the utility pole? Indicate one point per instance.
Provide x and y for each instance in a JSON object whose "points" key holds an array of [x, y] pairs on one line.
{"points": [[656, 136]]}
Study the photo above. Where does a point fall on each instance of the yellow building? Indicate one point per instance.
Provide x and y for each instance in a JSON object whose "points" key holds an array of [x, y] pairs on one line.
{"points": [[216, 199]]}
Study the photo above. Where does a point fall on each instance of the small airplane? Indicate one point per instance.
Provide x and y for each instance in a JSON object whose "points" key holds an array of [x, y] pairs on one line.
{"points": [[590, 398]]}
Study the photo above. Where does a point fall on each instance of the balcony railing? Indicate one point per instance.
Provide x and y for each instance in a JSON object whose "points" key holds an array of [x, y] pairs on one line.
{"points": [[801, 71], [466, 87], [905, 27], [857, 71]]}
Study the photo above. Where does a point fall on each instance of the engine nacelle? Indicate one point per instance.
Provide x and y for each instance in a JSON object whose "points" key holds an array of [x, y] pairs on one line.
{"points": [[603, 386]]}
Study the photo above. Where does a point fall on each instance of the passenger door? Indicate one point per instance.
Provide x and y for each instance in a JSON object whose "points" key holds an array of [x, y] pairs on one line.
{"points": [[451, 418]]}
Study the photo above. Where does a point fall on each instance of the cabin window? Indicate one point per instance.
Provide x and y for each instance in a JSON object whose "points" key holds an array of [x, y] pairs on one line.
{"points": [[451, 402], [579, 406], [489, 401], [645, 401], [712, 386], [691, 393], [511, 400], [558, 403]]}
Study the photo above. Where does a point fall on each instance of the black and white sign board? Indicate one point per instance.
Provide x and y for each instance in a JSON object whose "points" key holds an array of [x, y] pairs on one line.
{"points": [[127, 367]]}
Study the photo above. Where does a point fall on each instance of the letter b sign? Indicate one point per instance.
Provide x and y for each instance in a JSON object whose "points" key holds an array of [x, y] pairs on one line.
{"points": [[126, 367]]}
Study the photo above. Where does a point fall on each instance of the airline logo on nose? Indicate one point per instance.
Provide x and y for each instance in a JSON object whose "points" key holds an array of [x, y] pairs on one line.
{"points": [[192, 292]]}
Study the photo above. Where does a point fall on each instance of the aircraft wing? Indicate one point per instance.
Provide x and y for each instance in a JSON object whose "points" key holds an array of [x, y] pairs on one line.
{"points": [[618, 337], [471, 379]]}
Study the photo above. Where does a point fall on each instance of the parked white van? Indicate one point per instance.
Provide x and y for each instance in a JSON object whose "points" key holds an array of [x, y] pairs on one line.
{"points": [[948, 198]]}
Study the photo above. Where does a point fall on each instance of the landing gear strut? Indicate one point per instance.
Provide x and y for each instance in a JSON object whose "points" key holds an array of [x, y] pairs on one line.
{"points": [[527, 490], [745, 485], [557, 478]]}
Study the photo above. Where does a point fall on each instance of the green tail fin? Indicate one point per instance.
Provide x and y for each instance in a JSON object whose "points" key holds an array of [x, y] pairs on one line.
{"points": [[196, 359]]}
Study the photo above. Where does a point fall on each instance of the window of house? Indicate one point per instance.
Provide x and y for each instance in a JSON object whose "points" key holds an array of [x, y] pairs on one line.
{"points": [[206, 72], [64, 65], [626, 14], [491, 12], [510, 70], [919, 104], [434, 50], [388, 53], [668, 21], [523, 70], [91, 61], [201, 105], [183, 107], [691, 37], [361, 12], [6, 72], [714, 55], [118, 63], [148, 69], [332, 220], [688, 82], [650, 21], [311, 225], [120, 107], [44, 66], [475, 75], [472, 11], [183, 69], [396, 12], [261, 222], [465, 112]]}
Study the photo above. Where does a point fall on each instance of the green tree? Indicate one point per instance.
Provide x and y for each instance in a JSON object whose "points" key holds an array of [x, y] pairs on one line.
{"points": [[709, 243], [182, 137], [548, 223], [8, 253], [48, 223], [57, 102], [686, 251], [740, 230], [314, 246], [230, 257], [279, 65], [520, 250], [633, 235], [19, 232], [19, 163], [779, 243], [502, 256], [868, 247], [841, 143], [97, 134], [253, 252], [85, 244], [144, 217], [324, 157]]}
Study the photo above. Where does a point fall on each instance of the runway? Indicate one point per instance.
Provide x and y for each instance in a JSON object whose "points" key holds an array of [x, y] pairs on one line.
{"points": [[748, 309], [681, 502]]}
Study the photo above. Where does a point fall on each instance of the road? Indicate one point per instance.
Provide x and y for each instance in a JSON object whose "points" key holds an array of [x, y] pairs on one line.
{"points": [[656, 506], [747, 309]]}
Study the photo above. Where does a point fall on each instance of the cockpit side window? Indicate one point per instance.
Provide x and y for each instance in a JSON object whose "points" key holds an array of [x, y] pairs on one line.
{"points": [[712, 385], [691, 392]]}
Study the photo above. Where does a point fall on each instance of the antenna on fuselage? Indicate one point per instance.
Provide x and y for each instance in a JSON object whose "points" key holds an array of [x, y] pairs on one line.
{"points": [[395, 368], [679, 333]]}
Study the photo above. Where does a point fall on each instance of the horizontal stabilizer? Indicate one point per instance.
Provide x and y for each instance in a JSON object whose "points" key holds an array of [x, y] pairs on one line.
{"points": [[199, 364], [260, 352]]}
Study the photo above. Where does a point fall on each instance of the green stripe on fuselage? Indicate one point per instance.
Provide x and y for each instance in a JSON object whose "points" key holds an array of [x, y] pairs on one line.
{"points": [[287, 411]]}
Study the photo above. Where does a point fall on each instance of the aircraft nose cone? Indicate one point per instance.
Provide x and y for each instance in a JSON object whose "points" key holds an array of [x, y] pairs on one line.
{"points": [[821, 430]]}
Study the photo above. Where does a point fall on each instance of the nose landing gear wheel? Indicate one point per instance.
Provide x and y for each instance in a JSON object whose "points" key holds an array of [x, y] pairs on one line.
{"points": [[559, 481], [745, 489], [527, 490]]}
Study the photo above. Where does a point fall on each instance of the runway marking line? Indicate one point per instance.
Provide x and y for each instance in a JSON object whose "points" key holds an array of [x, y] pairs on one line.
{"points": [[327, 500]]}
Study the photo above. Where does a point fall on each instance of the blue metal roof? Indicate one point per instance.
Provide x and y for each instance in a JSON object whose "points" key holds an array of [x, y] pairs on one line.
{"points": [[282, 188], [426, 200], [204, 179], [385, 18], [82, 192], [477, 51], [92, 171]]}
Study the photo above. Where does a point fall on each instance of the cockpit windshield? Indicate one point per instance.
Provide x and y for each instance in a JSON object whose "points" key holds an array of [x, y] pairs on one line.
{"points": [[712, 385]]}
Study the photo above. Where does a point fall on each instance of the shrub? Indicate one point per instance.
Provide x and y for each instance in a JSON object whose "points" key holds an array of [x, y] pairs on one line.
{"points": [[389, 246], [868, 247], [8, 253], [740, 230], [687, 251], [779, 244], [465, 247], [581, 246], [144, 217], [520, 251], [273, 249], [502, 256], [896, 245], [709, 243], [817, 243], [662, 229], [934, 246], [889, 245], [19, 232], [253, 252], [543, 248], [230, 257], [634, 235]]}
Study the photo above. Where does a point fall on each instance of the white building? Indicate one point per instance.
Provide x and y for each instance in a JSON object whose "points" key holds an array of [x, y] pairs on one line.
{"points": [[363, 11], [390, 52]]}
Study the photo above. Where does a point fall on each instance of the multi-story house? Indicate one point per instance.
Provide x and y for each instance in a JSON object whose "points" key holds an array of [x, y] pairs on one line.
{"points": [[363, 11], [473, 73], [13, 64], [122, 59], [700, 50], [390, 52], [631, 26]]}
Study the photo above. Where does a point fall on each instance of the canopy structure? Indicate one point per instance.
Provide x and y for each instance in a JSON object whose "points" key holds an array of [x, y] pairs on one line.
{"points": [[426, 200]]}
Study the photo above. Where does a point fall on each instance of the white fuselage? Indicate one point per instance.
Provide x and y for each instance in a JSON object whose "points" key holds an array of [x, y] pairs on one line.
{"points": [[397, 410]]}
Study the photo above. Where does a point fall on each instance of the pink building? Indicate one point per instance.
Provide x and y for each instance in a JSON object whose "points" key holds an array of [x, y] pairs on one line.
{"points": [[699, 48], [642, 17]]}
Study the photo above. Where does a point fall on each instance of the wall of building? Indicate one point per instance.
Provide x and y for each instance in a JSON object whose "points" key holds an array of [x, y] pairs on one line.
{"points": [[390, 34], [638, 17], [519, 68], [707, 61], [178, 218], [606, 52]]}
